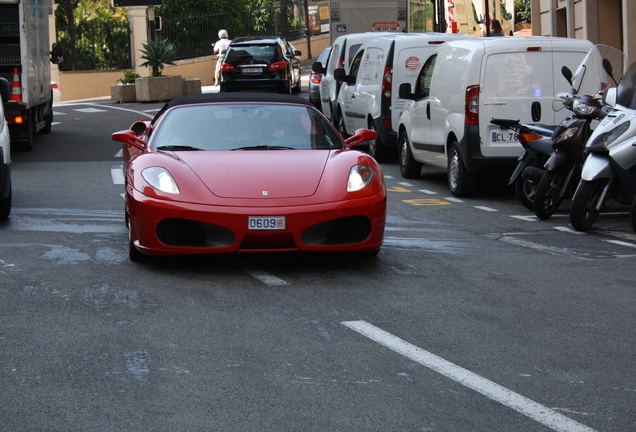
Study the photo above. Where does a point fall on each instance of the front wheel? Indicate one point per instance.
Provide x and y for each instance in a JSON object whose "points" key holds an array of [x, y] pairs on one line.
{"points": [[340, 124], [549, 197], [586, 204], [409, 167], [376, 148], [460, 181], [5, 206]]}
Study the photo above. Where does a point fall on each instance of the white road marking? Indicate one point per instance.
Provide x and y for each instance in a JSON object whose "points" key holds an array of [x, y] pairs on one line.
{"points": [[621, 243], [568, 230], [491, 390], [405, 184], [117, 175], [89, 110], [263, 276], [428, 192], [484, 208], [525, 218], [119, 154], [453, 199]]}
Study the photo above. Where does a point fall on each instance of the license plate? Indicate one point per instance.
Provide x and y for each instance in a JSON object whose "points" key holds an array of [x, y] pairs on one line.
{"points": [[503, 136], [266, 222], [253, 70]]}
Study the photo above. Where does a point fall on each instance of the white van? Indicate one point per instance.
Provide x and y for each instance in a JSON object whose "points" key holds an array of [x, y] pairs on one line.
{"points": [[342, 51], [463, 85], [368, 97]]}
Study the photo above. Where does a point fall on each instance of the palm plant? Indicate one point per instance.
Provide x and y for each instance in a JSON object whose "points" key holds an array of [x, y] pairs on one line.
{"points": [[157, 53]]}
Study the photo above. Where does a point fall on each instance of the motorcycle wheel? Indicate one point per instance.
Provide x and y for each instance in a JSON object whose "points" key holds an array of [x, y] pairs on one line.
{"points": [[526, 190], [548, 197], [583, 213], [632, 214]]}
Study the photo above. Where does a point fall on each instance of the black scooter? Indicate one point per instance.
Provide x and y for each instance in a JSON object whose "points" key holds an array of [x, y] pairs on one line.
{"points": [[536, 141]]}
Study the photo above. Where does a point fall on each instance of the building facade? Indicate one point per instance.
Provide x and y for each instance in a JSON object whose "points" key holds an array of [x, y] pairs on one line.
{"points": [[608, 22]]}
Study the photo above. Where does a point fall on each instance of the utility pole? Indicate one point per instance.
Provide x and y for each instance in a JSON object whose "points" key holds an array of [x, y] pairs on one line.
{"points": [[308, 29]]}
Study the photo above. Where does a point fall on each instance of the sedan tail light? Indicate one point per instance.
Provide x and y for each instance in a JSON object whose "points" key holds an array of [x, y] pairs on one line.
{"points": [[315, 78], [278, 66], [228, 67]]}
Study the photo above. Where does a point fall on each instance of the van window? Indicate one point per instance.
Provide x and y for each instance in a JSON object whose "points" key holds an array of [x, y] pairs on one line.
{"points": [[355, 65], [524, 75], [423, 82], [333, 59], [353, 49], [372, 65]]}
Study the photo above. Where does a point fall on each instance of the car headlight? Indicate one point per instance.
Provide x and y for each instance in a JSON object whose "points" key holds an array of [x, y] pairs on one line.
{"points": [[604, 140], [160, 179], [360, 177]]}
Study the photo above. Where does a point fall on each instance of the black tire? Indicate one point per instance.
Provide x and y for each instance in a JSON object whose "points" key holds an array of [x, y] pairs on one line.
{"points": [[376, 149], [632, 215], [460, 181], [340, 125], [133, 253], [525, 190], [548, 197], [409, 167], [49, 119], [583, 212], [5, 205]]}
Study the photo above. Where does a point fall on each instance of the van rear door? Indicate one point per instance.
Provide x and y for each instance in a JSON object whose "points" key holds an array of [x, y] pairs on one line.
{"points": [[521, 82], [516, 82]]}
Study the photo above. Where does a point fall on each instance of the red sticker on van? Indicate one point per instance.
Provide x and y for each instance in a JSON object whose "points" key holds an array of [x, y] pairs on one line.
{"points": [[412, 63]]}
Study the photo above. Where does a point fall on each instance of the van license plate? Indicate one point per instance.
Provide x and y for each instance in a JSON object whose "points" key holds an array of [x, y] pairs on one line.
{"points": [[503, 136], [262, 223]]}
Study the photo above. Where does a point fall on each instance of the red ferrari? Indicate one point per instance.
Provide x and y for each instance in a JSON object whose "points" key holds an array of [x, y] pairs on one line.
{"points": [[241, 172]]}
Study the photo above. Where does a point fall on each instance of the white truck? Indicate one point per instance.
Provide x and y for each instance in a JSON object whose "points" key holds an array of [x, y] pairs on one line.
{"points": [[25, 64], [360, 16]]}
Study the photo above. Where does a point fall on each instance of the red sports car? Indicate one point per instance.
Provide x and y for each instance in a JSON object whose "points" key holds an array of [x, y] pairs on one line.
{"points": [[241, 172]]}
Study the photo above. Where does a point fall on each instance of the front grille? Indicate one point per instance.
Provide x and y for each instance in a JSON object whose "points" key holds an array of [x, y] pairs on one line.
{"points": [[184, 232], [348, 230]]}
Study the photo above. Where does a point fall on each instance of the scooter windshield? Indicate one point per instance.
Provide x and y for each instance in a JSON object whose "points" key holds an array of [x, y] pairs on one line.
{"points": [[601, 68], [626, 92]]}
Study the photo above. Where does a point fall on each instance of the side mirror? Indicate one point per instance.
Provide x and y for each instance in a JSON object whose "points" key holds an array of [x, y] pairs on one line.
{"points": [[57, 53], [128, 137], [5, 89], [360, 136], [609, 98], [404, 91], [340, 75], [318, 68]]}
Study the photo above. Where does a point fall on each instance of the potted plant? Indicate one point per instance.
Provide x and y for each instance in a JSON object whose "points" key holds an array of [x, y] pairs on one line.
{"points": [[158, 53], [125, 91]]}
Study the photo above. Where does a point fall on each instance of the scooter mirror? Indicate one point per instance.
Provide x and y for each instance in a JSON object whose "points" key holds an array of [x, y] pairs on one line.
{"points": [[567, 73], [609, 98]]}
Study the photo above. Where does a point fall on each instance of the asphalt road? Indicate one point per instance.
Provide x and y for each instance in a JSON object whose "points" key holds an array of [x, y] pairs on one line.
{"points": [[475, 316]]}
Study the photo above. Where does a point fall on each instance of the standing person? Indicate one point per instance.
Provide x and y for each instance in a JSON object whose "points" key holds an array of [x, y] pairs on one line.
{"points": [[496, 29], [220, 48]]}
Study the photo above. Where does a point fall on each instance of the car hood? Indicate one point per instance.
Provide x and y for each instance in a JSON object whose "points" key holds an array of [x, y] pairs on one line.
{"points": [[259, 174]]}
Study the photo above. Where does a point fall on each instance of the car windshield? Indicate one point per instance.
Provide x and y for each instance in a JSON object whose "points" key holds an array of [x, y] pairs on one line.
{"points": [[244, 126]]}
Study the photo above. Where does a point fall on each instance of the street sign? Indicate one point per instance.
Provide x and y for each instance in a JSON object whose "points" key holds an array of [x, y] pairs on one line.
{"points": [[124, 3]]}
